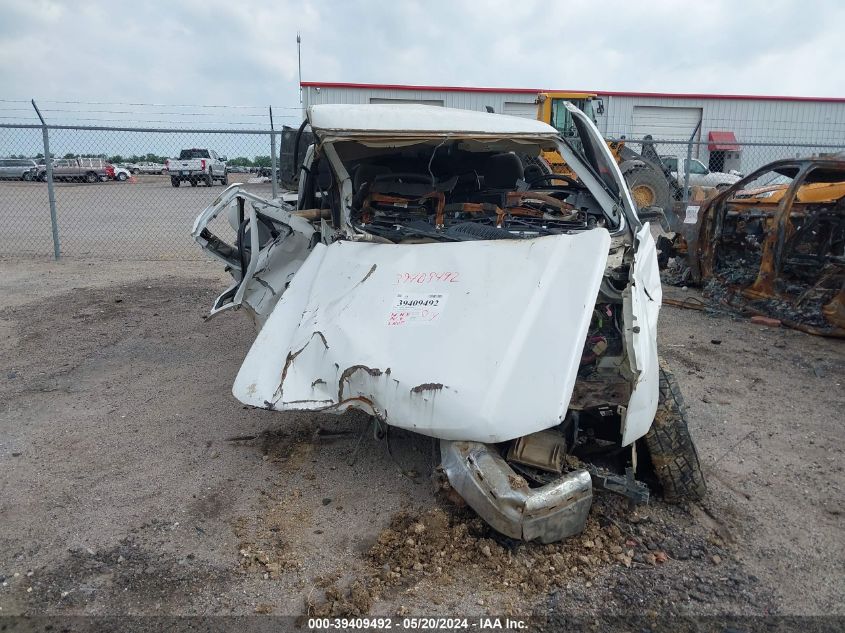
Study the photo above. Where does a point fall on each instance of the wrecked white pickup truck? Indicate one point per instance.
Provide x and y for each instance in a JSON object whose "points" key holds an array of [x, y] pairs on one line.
{"points": [[434, 273]]}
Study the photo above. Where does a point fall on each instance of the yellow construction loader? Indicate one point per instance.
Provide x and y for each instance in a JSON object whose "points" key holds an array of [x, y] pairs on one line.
{"points": [[649, 184]]}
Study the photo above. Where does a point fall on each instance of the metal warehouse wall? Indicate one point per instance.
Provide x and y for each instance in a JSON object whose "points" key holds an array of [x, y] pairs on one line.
{"points": [[751, 120], [777, 121], [465, 100]]}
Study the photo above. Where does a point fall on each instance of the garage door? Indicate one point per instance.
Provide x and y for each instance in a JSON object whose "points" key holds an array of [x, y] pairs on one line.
{"points": [[665, 122], [434, 102], [520, 108]]}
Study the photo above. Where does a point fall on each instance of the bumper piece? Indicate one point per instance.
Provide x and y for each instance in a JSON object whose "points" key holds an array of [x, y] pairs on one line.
{"points": [[503, 499]]}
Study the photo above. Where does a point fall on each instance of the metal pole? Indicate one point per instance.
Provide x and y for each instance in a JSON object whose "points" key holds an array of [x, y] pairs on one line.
{"points": [[689, 160], [299, 62], [274, 172], [51, 194]]}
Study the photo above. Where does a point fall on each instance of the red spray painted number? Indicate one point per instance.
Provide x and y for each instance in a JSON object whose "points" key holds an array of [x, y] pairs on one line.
{"points": [[450, 277], [398, 318]]}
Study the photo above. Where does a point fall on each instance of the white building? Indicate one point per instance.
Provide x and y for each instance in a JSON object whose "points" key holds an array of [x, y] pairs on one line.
{"points": [[756, 129]]}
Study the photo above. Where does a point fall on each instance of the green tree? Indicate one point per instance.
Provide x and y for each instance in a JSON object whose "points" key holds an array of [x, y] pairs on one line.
{"points": [[262, 161], [69, 155], [240, 161]]}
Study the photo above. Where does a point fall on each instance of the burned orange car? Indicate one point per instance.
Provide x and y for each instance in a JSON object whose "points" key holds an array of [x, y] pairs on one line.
{"points": [[774, 244]]}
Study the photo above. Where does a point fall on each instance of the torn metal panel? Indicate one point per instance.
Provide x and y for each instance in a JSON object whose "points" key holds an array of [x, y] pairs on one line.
{"points": [[278, 243], [641, 305], [441, 339]]}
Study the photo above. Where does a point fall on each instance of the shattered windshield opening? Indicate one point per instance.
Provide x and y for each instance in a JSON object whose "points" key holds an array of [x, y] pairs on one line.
{"points": [[462, 189]]}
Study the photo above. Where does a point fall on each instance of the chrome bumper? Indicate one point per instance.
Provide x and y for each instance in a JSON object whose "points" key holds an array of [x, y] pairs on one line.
{"points": [[500, 497]]}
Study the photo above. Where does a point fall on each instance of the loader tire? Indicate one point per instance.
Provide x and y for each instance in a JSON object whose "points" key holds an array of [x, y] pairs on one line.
{"points": [[670, 446], [649, 187]]}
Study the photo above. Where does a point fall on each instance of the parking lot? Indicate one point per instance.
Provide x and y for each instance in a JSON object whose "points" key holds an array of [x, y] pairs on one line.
{"points": [[132, 482], [146, 219]]}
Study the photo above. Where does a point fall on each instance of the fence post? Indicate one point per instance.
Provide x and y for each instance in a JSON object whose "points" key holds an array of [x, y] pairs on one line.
{"points": [[51, 194], [274, 172], [689, 160]]}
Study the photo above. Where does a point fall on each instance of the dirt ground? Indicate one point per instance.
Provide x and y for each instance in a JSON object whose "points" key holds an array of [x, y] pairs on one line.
{"points": [[132, 481]]}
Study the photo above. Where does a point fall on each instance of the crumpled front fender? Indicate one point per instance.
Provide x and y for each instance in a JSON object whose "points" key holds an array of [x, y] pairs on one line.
{"points": [[503, 499]]}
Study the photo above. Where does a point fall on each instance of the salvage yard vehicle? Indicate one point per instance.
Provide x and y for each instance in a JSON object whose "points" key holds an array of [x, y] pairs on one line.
{"points": [[119, 173], [773, 244], [18, 168], [699, 174], [89, 170], [423, 277], [196, 166], [149, 168]]}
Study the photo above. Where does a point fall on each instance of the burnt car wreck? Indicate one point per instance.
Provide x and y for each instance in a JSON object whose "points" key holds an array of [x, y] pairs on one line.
{"points": [[773, 244], [436, 274]]}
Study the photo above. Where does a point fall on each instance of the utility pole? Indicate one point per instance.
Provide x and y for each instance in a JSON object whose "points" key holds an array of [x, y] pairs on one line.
{"points": [[299, 63]]}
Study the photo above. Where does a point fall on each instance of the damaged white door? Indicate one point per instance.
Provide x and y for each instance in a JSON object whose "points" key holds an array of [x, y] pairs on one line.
{"points": [[274, 245]]}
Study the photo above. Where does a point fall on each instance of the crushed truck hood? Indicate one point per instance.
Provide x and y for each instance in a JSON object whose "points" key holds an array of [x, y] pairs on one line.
{"points": [[476, 341]]}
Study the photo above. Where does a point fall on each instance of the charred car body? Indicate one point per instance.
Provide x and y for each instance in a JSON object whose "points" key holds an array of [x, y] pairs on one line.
{"points": [[434, 275], [773, 244]]}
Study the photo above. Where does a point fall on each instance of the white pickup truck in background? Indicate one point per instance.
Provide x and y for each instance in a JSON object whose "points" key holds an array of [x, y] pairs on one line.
{"points": [[197, 165], [699, 174]]}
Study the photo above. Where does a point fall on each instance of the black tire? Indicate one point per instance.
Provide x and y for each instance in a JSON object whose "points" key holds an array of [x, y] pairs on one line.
{"points": [[225, 179], [209, 179], [194, 182], [91, 177], [136, 171], [175, 182], [121, 176], [670, 446], [649, 187], [26, 177]]}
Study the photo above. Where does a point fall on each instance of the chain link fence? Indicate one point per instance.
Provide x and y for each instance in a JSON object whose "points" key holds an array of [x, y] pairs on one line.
{"points": [[145, 216], [114, 196]]}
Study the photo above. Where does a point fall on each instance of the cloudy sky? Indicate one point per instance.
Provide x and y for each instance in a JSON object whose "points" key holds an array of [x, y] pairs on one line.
{"points": [[244, 53]]}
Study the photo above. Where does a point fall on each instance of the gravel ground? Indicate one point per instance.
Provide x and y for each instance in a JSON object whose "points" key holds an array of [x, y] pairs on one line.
{"points": [[132, 482]]}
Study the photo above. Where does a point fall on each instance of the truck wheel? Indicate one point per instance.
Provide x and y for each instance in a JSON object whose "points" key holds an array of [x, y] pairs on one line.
{"points": [[175, 182], [194, 182], [91, 177], [26, 177], [225, 179], [121, 176], [649, 187], [209, 179], [670, 445]]}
